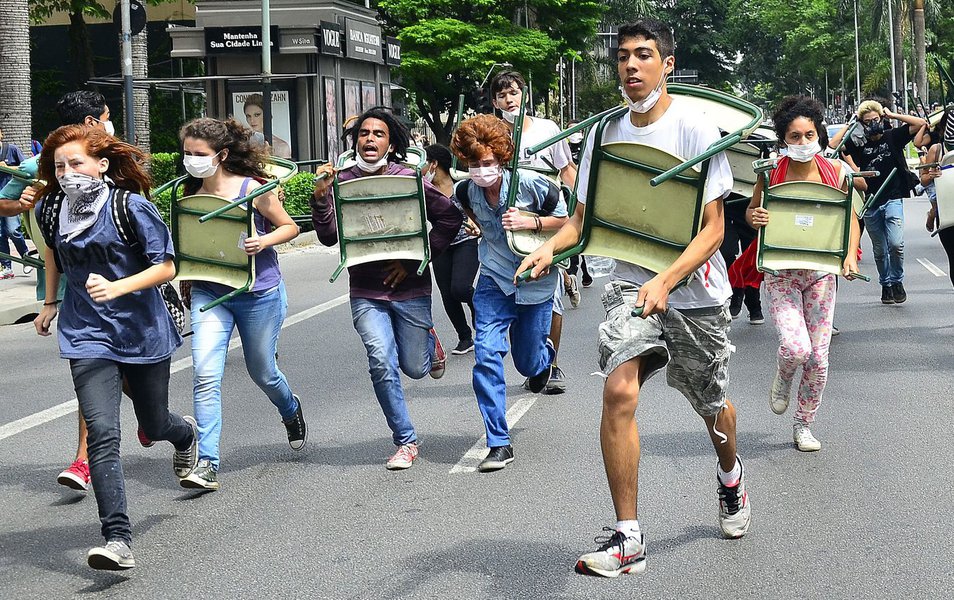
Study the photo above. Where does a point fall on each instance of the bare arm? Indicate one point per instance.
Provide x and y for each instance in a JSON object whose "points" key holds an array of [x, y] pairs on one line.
{"points": [[913, 123], [569, 234], [755, 215], [43, 320], [285, 229]]}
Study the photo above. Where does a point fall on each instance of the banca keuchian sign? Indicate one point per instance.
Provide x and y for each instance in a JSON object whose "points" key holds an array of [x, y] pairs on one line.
{"points": [[363, 41], [236, 40]]}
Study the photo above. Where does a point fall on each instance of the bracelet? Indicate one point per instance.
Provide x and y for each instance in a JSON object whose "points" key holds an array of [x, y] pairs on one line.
{"points": [[54, 303], [539, 225]]}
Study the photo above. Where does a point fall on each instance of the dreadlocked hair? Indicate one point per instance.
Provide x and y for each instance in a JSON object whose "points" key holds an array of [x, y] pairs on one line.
{"points": [[400, 137]]}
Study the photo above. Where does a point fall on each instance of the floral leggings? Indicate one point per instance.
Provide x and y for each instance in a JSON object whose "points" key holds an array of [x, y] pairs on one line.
{"points": [[802, 305]]}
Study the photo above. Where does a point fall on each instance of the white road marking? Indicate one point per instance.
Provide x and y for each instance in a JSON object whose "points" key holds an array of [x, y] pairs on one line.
{"points": [[932, 268], [69, 407], [468, 463]]}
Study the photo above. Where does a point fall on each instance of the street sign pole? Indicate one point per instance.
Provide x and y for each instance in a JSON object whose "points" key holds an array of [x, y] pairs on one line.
{"points": [[267, 70], [127, 74]]}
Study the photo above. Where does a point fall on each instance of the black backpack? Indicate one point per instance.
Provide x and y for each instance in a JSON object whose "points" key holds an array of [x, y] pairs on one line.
{"points": [[48, 224]]}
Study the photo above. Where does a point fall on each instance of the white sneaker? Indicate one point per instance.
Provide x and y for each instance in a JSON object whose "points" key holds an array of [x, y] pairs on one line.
{"points": [[781, 391], [573, 291], [735, 512], [804, 440], [403, 458]]}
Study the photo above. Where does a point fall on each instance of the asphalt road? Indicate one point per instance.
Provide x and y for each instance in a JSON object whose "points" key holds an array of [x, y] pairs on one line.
{"points": [[867, 517]]}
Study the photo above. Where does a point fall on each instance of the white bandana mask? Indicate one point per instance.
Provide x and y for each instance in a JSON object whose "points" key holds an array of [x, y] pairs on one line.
{"points": [[85, 196]]}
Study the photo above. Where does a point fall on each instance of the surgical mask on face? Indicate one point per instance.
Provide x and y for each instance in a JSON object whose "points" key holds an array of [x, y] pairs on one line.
{"points": [[79, 185], [108, 126], [485, 176], [803, 152], [646, 104], [200, 167], [429, 177], [576, 138], [369, 167]]}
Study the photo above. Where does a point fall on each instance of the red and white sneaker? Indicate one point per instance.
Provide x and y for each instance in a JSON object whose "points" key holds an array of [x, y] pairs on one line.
{"points": [[144, 439], [735, 513], [439, 362], [617, 555], [403, 458], [75, 476]]}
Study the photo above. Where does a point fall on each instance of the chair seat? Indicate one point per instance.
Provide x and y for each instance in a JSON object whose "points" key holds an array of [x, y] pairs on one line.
{"points": [[944, 186], [211, 251]]}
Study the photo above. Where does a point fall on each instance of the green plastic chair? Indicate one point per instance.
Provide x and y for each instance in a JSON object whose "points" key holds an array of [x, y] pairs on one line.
{"points": [[28, 223], [381, 217], [207, 232], [741, 157]]}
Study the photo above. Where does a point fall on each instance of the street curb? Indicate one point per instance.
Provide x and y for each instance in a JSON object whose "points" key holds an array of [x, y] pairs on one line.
{"points": [[10, 314]]}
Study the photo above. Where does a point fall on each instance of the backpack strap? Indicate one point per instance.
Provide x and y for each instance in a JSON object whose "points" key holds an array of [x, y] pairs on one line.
{"points": [[551, 200], [48, 222], [123, 220], [462, 193]]}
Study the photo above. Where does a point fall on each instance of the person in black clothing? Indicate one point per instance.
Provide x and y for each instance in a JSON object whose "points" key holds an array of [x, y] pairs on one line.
{"points": [[738, 235], [882, 151]]}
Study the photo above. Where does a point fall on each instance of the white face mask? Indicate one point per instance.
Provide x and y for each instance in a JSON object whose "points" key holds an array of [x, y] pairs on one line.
{"points": [[646, 104], [429, 177], [802, 152], [510, 116], [200, 167], [108, 126], [369, 167], [485, 176], [576, 138]]}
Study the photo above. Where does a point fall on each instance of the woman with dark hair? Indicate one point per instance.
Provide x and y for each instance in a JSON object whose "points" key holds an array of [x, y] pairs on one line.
{"points": [[390, 302], [503, 309], [936, 139], [110, 295], [456, 268], [221, 160], [802, 301], [254, 110]]}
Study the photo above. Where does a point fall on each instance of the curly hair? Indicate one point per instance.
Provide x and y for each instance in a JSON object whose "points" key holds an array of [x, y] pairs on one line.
{"points": [[793, 107], [245, 157], [482, 134], [400, 137], [127, 163]]}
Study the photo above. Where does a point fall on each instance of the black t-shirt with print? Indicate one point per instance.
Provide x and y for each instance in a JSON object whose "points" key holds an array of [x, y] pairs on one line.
{"points": [[883, 155]]}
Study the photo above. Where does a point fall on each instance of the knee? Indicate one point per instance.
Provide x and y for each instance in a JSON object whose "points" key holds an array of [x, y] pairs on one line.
{"points": [[818, 362], [793, 353], [461, 291], [101, 434], [620, 398]]}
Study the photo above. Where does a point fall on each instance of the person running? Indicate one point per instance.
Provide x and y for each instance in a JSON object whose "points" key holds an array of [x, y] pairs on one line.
{"points": [[390, 302], [221, 159], [502, 308], [686, 328], [935, 140], [456, 268], [802, 301], [111, 295], [882, 151], [506, 89]]}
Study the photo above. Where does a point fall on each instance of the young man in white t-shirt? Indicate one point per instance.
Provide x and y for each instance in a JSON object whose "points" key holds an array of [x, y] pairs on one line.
{"points": [[685, 328], [506, 91]]}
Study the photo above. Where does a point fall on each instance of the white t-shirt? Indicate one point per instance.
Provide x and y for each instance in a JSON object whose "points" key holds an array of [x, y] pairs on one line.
{"points": [[541, 130], [686, 135]]}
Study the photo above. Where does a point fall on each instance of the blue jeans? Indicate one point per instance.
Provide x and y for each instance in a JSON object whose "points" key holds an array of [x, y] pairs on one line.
{"points": [[258, 317], [885, 226], [396, 335], [528, 326], [10, 227]]}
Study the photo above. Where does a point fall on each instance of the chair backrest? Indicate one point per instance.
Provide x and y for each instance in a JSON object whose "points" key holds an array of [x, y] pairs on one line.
{"points": [[280, 169], [382, 217], [808, 229], [212, 251], [944, 186]]}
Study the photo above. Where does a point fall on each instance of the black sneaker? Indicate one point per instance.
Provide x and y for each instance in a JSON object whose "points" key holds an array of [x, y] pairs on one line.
{"points": [[887, 294], [735, 305], [557, 383], [756, 317], [296, 429], [183, 461], [114, 556], [537, 382], [587, 279], [497, 458], [899, 294], [463, 347], [202, 477]]}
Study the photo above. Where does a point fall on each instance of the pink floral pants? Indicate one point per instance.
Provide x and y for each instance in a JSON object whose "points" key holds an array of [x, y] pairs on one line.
{"points": [[802, 304]]}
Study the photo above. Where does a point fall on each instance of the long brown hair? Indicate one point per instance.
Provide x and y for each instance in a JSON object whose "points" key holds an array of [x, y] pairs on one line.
{"points": [[127, 163], [244, 157]]}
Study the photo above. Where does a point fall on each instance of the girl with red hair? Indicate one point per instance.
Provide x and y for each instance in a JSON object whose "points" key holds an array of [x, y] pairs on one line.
{"points": [[111, 292]]}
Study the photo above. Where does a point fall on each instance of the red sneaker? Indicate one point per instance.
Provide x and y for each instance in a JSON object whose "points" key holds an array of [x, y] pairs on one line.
{"points": [[859, 253], [144, 439], [76, 476], [439, 362]]}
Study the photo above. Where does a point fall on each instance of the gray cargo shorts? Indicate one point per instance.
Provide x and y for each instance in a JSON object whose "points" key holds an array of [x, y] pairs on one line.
{"points": [[694, 343]]}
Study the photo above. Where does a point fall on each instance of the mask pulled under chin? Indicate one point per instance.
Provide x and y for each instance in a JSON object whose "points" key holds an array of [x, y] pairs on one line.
{"points": [[369, 167], [802, 152], [646, 104], [485, 176], [508, 116]]}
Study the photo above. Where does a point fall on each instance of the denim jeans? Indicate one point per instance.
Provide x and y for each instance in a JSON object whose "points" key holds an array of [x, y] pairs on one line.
{"points": [[10, 227], [528, 326], [99, 384], [258, 317], [885, 226], [396, 335]]}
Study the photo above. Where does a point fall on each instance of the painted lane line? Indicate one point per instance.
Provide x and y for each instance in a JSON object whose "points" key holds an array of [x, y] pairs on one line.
{"points": [[932, 268], [69, 407], [468, 463]]}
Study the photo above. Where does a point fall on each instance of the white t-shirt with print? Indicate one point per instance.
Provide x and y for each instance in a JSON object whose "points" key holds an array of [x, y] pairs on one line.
{"points": [[687, 135], [541, 130]]}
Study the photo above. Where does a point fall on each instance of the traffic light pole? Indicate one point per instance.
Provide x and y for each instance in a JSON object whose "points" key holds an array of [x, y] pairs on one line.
{"points": [[128, 111]]}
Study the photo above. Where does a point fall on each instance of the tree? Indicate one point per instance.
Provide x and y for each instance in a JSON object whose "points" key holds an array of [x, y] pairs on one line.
{"points": [[81, 55], [15, 113], [448, 47]]}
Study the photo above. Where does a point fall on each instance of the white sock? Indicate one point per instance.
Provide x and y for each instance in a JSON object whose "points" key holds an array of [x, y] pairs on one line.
{"points": [[732, 477], [628, 528]]}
